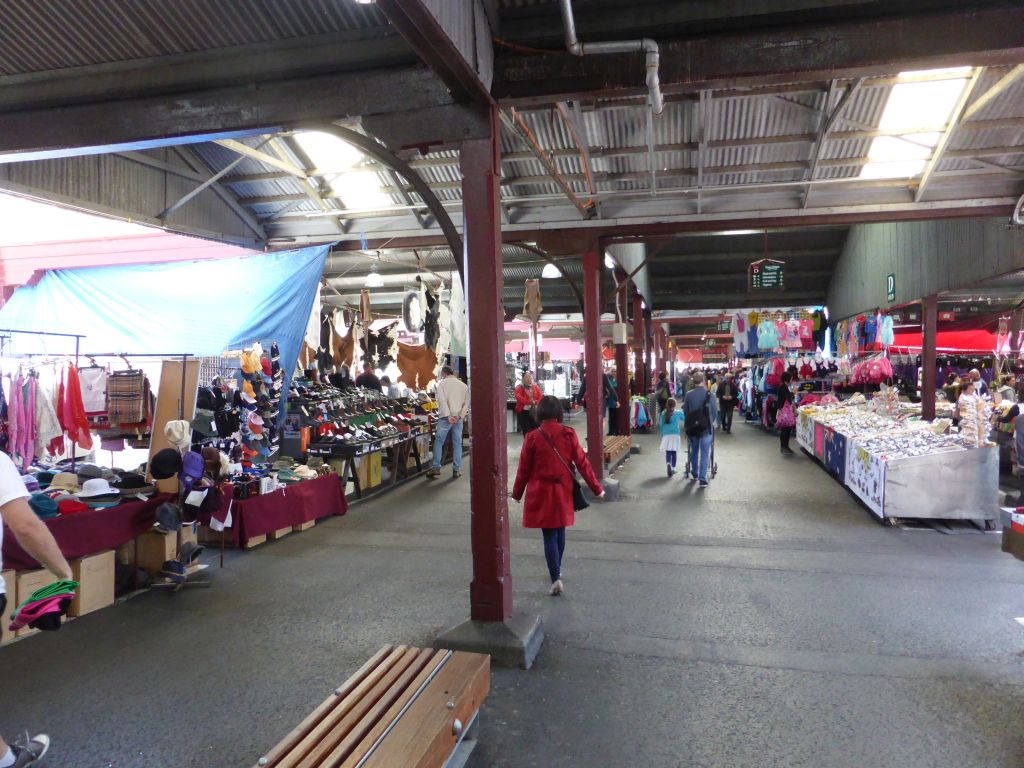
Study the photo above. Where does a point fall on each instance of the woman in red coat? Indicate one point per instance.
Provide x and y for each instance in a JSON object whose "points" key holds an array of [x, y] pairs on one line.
{"points": [[527, 397], [547, 480]]}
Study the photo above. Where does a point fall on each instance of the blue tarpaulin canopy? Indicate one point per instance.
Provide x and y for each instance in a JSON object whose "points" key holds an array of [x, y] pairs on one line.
{"points": [[200, 307]]}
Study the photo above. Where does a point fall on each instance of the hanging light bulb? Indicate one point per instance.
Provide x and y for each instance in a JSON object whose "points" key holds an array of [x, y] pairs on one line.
{"points": [[374, 280], [609, 262], [550, 271]]}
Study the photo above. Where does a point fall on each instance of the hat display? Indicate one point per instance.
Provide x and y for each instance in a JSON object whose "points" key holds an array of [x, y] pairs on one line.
{"points": [[250, 362], [44, 507], [168, 518], [192, 469], [255, 423], [247, 388], [44, 478], [267, 370], [98, 488], [65, 481], [31, 484], [178, 434], [305, 472], [89, 471], [248, 397], [203, 423], [165, 464]]}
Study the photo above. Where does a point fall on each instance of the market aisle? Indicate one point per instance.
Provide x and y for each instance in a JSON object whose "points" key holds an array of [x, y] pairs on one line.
{"points": [[767, 621]]}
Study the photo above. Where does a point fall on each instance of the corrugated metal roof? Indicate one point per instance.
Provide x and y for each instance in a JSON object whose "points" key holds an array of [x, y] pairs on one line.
{"points": [[39, 35]]}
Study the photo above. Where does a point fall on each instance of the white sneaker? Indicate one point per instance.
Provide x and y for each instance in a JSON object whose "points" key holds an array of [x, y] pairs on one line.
{"points": [[556, 588], [31, 752]]}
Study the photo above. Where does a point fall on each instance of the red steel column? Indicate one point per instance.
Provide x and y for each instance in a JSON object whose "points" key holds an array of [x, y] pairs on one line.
{"points": [[639, 363], [491, 589], [594, 367], [622, 364], [929, 328]]}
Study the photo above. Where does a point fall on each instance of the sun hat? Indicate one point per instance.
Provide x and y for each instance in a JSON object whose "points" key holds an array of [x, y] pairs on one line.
{"points": [[203, 422], [98, 488], [178, 434], [44, 507], [168, 518], [72, 506], [165, 464], [133, 484], [192, 469], [89, 471], [65, 481], [305, 472]]}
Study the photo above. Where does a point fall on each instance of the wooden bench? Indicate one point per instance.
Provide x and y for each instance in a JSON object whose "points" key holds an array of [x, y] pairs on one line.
{"points": [[406, 707], [616, 450]]}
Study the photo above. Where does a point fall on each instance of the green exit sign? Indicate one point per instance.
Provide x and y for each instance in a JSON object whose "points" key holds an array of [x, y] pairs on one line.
{"points": [[766, 275], [890, 287]]}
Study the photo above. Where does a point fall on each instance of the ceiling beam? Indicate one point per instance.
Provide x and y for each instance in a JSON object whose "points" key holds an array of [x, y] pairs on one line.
{"points": [[993, 93], [190, 158], [828, 121], [820, 50], [954, 120], [441, 41], [249, 108]]}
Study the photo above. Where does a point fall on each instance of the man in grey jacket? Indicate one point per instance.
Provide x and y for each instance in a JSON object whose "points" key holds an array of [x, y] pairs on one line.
{"points": [[699, 406], [452, 407]]}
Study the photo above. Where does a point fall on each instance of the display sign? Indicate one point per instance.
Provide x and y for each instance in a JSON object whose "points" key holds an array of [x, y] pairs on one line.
{"points": [[715, 356], [890, 287], [766, 275], [946, 317], [865, 476]]}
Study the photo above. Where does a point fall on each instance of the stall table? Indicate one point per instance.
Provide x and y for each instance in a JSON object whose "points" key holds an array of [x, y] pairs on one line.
{"points": [[85, 533]]}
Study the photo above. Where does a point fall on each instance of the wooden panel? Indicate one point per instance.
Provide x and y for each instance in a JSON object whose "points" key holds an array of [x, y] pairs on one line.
{"points": [[424, 738], [173, 402], [299, 732]]}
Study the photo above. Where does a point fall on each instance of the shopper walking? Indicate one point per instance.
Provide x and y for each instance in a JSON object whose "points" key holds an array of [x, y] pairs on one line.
{"points": [[36, 539], [527, 396], [368, 378], [452, 407], [728, 395], [611, 402], [700, 414], [671, 424], [662, 392], [785, 418], [550, 458]]}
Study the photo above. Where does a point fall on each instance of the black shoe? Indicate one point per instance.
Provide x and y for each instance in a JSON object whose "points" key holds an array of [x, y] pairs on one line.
{"points": [[787, 452], [32, 752]]}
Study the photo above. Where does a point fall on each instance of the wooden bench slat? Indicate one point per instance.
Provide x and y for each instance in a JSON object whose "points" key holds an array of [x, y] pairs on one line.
{"points": [[295, 736], [352, 750], [357, 705], [423, 737]]}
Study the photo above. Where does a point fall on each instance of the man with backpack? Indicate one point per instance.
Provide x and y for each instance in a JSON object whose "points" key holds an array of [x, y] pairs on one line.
{"points": [[700, 412], [662, 392]]}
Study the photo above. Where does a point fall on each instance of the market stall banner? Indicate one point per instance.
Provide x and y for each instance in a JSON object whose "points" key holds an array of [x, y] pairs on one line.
{"points": [[200, 307]]}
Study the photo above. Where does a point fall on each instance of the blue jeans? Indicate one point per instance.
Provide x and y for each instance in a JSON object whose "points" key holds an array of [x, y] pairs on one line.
{"points": [[554, 546], [700, 446], [443, 430]]}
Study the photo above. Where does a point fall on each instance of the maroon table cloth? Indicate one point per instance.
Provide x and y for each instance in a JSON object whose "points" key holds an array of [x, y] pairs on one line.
{"points": [[290, 505], [85, 533]]}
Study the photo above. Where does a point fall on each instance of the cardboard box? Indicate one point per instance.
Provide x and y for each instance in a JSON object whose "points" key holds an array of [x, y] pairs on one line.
{"points": [[374, 470], [189, 532], [280, 533], [125, 554], [27, 583], [303, 526], [154, 549], [11, 590], [95, 576], [255, 541]]}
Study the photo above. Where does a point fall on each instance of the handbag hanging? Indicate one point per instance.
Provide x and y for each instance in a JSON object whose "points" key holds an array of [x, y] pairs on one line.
{"points": [[786, 417], [579, 503]]}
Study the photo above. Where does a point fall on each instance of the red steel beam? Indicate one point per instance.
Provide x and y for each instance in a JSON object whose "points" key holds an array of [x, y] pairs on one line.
{"points": [[594, 365], [930, 320], [491, 588]]}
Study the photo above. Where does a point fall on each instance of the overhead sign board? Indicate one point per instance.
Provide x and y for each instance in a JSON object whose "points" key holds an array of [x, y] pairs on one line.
{"points": [[890, 287], [766, 275]]}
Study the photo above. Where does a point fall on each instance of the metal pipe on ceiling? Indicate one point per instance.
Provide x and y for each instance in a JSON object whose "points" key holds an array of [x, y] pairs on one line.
{"points": [[649, 47]]}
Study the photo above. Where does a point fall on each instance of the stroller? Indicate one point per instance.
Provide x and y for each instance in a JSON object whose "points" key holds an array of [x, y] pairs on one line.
{"points": [[712, 464]]}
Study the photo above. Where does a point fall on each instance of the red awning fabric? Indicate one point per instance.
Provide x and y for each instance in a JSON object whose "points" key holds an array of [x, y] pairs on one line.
{"points": [[966, 340]]}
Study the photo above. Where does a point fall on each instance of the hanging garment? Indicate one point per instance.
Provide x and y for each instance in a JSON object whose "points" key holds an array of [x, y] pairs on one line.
{"points": [[344, 349], [378, 346], [886, 332], [26, 446], [15, 414], [48, 427], [457, 310], [412, 312], [307, 357], [4, 422], [767, 336], [74, 411], [417, 364], [791, 338], [431, 321], [739, 333], [532, 306], [94, 390], [126, 390]]}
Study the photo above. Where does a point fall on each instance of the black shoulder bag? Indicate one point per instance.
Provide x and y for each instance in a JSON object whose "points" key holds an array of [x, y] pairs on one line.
{"points": [[579, 503]]}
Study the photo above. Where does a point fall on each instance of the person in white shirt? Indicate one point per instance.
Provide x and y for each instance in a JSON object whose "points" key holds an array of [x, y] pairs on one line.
{"points": [[452, 407], [36, 539]]}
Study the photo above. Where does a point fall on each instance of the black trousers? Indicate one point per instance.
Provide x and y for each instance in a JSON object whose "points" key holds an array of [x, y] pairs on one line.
{"points": [[526, 422], [727, 417], [613, 421], [784, 434]]}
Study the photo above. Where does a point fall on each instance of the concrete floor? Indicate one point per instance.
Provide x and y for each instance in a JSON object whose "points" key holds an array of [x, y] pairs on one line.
{"points": [[766, 621]]}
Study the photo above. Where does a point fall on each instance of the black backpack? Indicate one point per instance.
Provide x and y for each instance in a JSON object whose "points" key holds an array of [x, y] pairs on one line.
{"points": [[699, 421]]}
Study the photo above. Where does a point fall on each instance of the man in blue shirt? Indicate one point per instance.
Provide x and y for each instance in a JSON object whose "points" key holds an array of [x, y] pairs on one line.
{"points": [[700, 411]]}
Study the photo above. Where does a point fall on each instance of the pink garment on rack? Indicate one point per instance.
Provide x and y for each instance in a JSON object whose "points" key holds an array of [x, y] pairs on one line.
{"points": [[14, 416]]}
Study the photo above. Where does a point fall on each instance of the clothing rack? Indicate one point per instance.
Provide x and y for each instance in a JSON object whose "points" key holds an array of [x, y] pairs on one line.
{"points": [[78, 340]]}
